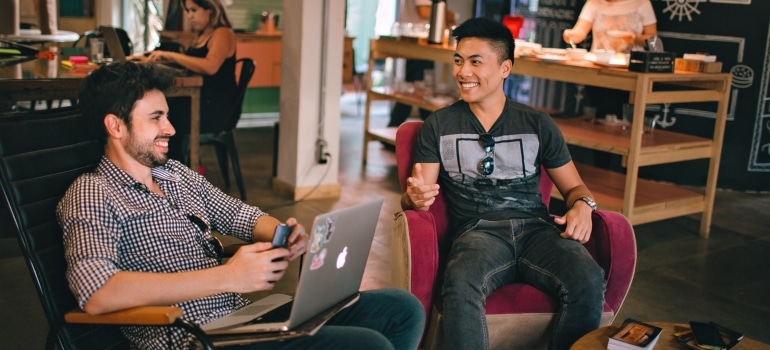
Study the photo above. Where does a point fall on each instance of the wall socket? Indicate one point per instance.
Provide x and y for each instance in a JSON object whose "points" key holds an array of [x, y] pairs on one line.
{"points": [[321, 155]]}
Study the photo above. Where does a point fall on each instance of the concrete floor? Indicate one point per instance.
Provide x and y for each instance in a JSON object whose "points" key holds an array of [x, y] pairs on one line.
{"points": [[679, 276]]}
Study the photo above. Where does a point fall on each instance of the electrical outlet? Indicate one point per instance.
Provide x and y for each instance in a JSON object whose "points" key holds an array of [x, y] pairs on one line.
{"points": [[320, 151]]}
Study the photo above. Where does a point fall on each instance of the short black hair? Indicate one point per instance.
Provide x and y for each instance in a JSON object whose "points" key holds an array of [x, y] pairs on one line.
{"points": [[496, 33], [115, 88]]}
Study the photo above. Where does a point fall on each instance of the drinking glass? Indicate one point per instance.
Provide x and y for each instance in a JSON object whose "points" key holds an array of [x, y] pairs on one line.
{"points": [[97, 49]]}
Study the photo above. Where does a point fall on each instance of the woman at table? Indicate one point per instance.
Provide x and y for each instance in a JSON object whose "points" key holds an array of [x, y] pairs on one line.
{"points": [[212, 55]]}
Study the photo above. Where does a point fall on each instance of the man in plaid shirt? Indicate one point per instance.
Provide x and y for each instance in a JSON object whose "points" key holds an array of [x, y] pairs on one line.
{"points": [[138, 231]]}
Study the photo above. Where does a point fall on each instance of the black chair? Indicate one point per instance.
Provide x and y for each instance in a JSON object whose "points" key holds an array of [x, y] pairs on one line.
{"points": [[223, 140], [41, 153]]}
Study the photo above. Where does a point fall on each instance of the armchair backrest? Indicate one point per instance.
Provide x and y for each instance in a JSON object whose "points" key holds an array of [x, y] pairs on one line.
{"points": [[406, 138], [41, 154]]}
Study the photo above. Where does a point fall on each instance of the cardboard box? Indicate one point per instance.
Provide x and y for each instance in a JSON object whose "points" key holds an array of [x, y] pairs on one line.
{"points": [[651, 62], [698, 66]]}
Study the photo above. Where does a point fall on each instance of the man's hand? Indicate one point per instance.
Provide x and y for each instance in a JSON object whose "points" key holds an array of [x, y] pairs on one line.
{"points": [[257, 267], [578, 222], [298, 239], [420, 196]]}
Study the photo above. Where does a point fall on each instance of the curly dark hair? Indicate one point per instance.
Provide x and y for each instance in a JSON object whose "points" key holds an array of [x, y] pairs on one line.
{"points": [[496, 33], [115, 88]]}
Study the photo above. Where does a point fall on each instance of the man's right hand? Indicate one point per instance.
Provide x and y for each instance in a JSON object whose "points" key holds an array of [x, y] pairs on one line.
{"points": [[256, 267], [419, 195]]}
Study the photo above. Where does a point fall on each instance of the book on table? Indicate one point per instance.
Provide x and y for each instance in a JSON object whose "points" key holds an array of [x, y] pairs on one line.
{"points": [[634, 335], [708, 336]]}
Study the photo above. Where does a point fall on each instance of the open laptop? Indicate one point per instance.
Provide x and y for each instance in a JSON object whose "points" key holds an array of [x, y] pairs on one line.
{"points": [[330, 276], [112, 42]]}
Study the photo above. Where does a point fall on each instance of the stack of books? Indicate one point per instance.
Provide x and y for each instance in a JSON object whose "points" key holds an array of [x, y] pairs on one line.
{"points": [[634, 335], [708, 336]]}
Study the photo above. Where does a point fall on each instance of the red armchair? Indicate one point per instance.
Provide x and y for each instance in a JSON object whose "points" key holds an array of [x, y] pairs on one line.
{"points": [[518, 315]]}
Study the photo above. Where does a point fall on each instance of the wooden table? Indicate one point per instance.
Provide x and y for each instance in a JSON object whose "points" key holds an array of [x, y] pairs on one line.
{"points": [[42, 79], [598, 339]]}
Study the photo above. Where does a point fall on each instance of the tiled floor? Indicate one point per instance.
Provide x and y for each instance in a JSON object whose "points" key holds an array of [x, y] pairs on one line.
{"points": [[679, 277]]}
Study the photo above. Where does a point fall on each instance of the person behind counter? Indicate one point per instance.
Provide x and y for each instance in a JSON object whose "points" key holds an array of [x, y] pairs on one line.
{"points": [[617, 25], [212, 54]]}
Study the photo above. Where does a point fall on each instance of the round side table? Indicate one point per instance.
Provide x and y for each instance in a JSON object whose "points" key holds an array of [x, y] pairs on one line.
{"points": [[597, 339]]}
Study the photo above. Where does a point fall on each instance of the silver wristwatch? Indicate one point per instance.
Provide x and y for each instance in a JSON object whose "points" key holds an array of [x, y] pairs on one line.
{"points": [[588, 201]]}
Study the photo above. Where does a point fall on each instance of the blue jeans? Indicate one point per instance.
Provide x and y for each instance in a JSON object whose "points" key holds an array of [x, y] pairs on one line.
{"points": [[491, 254], [381, 319]]}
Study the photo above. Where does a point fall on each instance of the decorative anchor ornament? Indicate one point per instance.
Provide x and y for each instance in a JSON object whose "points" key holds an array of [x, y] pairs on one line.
{"points": [[665, 121]]}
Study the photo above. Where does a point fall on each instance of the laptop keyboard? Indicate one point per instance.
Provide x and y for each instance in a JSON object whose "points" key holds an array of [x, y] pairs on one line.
{"points": [[279, 314]]}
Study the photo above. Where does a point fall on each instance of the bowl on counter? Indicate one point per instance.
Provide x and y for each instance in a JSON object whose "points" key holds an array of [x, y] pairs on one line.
{"points": [[576, 54], [602, 55], [526, 48]]}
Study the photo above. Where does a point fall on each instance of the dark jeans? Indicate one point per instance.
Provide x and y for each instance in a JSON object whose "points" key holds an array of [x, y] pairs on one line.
{"points": [[494, 253], [381, 319], [414, 72]]}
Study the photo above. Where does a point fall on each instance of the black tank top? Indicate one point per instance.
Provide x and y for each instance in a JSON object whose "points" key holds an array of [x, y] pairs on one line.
{"points": [[217, 92]]}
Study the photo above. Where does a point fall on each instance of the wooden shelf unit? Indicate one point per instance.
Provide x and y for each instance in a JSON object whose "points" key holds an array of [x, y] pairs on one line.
{"points": [[640, 200]]}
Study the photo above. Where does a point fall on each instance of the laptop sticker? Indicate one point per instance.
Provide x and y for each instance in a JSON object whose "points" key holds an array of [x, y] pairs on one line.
{"points": [[317, 242], [330, 227], [318, 260]]}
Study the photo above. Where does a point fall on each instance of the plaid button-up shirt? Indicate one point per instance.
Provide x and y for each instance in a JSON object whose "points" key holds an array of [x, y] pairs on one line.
{"points": [[112, 223]]}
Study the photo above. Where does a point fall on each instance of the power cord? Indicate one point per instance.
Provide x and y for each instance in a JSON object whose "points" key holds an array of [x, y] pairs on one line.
{"points": [[327, 157]]}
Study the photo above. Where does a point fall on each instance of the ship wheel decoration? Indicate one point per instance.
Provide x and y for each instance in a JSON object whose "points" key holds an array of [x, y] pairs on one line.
{"points": [[682, 8]]}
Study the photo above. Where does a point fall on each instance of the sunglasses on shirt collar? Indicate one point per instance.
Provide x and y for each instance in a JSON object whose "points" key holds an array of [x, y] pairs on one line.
{"points": [[487, 164]]}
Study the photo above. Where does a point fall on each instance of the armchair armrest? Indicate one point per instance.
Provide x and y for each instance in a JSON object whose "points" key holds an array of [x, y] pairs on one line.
{"points": [[142, 315], [613, 245], [415, 255]]}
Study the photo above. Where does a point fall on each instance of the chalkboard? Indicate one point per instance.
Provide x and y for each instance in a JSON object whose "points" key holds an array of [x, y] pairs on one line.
{"points": [[685, 26]]}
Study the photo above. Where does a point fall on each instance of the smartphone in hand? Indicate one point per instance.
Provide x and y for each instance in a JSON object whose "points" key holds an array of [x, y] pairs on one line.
{"points": [[281, 236]]}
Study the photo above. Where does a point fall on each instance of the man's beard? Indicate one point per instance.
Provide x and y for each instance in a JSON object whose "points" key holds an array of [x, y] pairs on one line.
{"points": [[145, 155]]}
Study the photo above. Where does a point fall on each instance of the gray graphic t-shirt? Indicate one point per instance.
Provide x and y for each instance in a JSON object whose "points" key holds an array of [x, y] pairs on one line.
{"points": [[524, 139]]}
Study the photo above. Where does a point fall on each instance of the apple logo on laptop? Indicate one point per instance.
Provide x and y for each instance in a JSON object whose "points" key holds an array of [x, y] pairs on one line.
{"points": [[342, 258]]}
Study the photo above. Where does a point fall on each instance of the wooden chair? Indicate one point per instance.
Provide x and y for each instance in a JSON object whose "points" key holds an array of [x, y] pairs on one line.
{"points": [[518, 315]]}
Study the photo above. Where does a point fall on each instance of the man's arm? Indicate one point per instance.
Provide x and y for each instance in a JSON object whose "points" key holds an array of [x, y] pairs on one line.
{"points": [[422, 187], [254, 267], [578, 216]]}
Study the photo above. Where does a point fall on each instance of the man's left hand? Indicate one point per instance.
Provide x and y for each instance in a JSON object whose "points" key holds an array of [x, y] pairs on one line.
{"points": [[577, 221]]}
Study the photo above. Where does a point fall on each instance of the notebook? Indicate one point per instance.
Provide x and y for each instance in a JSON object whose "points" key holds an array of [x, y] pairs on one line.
{"points": [[330, 276]]}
